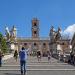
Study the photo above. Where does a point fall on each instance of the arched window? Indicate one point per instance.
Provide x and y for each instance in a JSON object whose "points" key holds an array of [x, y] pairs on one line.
{"points": [[35, 32], [44, 44], [34, 44], [35, 24], [25, 44], [63, 43]]}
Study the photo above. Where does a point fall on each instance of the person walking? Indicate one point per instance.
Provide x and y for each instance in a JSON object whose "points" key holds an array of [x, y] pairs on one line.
{"points": [[39, 55], [23, 58], [48, 55], [1, 55], [16, 55]]}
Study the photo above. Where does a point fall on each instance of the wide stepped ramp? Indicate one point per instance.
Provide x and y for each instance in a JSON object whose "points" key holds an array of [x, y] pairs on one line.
{"points": [[43, 67]]}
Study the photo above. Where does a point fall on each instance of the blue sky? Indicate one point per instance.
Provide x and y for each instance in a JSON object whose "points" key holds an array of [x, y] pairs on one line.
{"points": [[49, 12]]}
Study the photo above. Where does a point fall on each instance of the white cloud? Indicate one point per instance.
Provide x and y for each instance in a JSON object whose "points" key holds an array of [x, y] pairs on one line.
{"points": [[69, 31]]}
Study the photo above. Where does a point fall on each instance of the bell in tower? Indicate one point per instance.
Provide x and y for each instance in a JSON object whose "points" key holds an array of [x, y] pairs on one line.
{"points": [[35, 28]]}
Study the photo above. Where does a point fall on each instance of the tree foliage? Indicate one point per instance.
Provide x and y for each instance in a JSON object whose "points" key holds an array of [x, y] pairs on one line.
{"points": [[3, 45]]}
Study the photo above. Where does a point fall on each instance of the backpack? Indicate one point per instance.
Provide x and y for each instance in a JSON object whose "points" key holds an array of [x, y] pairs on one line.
{"points": [[22, 55]]}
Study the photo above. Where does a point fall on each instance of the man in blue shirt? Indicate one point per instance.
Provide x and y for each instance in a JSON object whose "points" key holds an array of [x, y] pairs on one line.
{"points": [[23, 58]]}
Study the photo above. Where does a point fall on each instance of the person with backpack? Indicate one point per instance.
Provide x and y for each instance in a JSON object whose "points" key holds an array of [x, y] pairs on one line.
{"points": [[23, 58]]}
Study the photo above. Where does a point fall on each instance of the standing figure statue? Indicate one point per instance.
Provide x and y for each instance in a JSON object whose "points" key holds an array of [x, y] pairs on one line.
{"points": [[7, 33], [58, 34], [52, 34]]}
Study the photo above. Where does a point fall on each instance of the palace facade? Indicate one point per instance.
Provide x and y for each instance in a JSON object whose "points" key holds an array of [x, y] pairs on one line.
{"points": [[53, 43]]}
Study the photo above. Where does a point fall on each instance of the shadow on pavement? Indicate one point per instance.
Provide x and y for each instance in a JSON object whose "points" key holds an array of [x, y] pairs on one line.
{"points": [[11, 74]]}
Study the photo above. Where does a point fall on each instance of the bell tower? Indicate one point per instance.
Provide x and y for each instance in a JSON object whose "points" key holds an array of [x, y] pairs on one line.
{"points": [[35, 28]]}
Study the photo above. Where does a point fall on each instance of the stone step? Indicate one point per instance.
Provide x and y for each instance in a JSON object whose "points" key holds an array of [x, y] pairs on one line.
{"points": [[38, 69], [36, 65]]}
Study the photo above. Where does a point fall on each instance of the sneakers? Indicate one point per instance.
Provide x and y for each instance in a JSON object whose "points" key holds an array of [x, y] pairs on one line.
{"points": [[21, 72], [24, 73]]}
